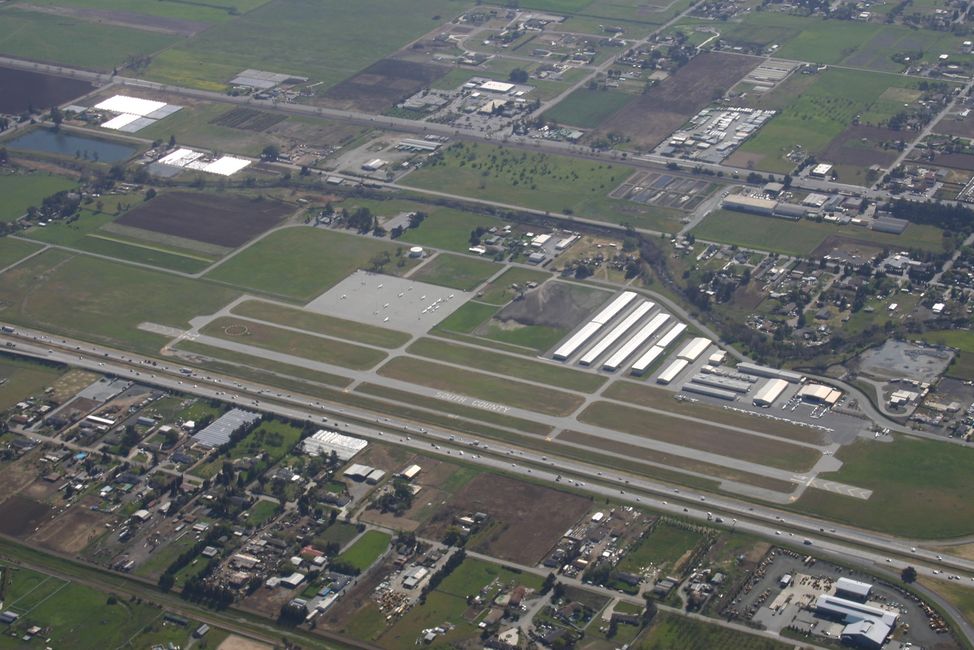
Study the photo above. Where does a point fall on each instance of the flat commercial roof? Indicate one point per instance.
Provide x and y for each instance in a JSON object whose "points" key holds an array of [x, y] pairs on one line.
{"points": [[671, 335], [613, 308], [616, 333], [820, 393], [569, 347], [635, 342], [672, 371], [710, 391], [218, 433], [496, 86], [226, 166], [323, 442], [123, 119], [855, 587], [646, 360], [694, 348], [771, 391], [180, 157]]}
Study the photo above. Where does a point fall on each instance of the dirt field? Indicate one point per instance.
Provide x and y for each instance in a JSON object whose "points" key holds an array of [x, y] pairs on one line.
{"points": [[670, 103], [23, 89], [248, 119], [956, 160], [20, 515], [554, 304], [862, 146], [382, 85], [73, 530], [433, 475], [956, 125], [525, 521], [234, 642], [223, 220], [854, 250], [17, 475], [131, 19]]}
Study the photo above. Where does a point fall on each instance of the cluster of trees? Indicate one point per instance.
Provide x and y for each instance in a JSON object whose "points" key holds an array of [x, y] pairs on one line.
{"points": [[441, 574], [398, 500], [168, 577], [956, 218]]}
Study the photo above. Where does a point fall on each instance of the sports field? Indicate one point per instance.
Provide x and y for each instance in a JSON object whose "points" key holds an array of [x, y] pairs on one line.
{"points": [[295, 36], [803, 237], [103, 301], [456, 271], [20, 191], [918, 489], [301, 263]]}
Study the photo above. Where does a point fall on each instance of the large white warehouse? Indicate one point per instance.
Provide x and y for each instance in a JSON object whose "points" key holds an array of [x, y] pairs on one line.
{"points": [[771, 391]]}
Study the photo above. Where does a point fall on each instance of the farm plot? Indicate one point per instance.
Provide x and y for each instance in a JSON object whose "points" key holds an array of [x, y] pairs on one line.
{"points": [[512, 507], [381, 85], [702, 437], [201, 123], [670, 631], [668, 105], [365, 550], [301, 263], [248, 119], [199, 12], [588, 108], [19, 515], [222, 220], [24, 89]]}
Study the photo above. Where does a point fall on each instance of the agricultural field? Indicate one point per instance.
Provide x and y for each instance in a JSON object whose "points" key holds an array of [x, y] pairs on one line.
{"points": [[381, 85], [587, 109], [207, 126], [443, 228], [21, 190], [456, 271], [220, 220], [61, 39], [917, 489], [349, 35], [14, 250], [103, 301], [124, 11], [818, 109], [24, 89], [802, 237], [301, 263], [538, 181]]}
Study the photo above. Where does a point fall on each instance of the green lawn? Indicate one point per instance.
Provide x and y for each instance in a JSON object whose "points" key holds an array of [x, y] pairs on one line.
{"points": [[339, 532], [366, 549], [456, 271], [661, 548], [468, 318], [504, 364], [239, 364], [505, 392], [301, 263], [14, 250], [305, 346], [321, 324], [103, 301], [919, 489], [261, 512], [963, 365], [673, 632], [297, 36], [803, 237], [202, 12], [500, 291], [65, 40], [447, 228], [536, 337], [588, 108], [20, 191]]}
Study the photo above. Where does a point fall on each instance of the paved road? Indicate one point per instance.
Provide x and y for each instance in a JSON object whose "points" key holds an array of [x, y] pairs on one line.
{"points": [[866, 546]]}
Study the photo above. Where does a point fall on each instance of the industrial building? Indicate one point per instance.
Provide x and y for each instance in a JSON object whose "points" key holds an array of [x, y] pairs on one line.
{"points": [[635, 342], [769, 392], [646, 360], [410, 472], [218, 432], [569, 347], [853, 589], [616, 333], [820, 394], [672, 335], [774, 373], [694, 348], [865, 626], [672, 371], [724, 383], [890, 224], [323, 442], [709, 391], [744, 203]]}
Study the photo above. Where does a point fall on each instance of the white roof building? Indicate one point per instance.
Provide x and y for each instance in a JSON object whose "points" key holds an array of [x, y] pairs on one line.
{"points": [[324, 442]]}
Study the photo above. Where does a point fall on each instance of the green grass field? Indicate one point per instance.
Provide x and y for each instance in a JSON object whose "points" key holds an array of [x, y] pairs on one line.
{"points": [[672, 632], [60, 39], [505, 392], [305, 346], [468, 318], [588, 108], [261, 512], [270, 441], [456, 271], [301, 263], [20, 191], [14, 250], [803, 237], [445, 228], [661, 548], [321, 324], [202, 12], [365, 550], [243, 364], [103, 301], [23, 379], [703, 437], [296, 36], [193, 124], [918, 489], [963, 365], [500, 292], [504, 364]]}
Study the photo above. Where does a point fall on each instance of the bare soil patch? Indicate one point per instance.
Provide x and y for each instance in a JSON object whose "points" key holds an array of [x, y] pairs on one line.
{"points": [[382, 85], [248, 119], [20, 515], [234, 642], [223, 220], [73, 530], [23, 89], [957, 160], [667, 105], [862, 146], [554, 304], [525, 520], [956, 125]]}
